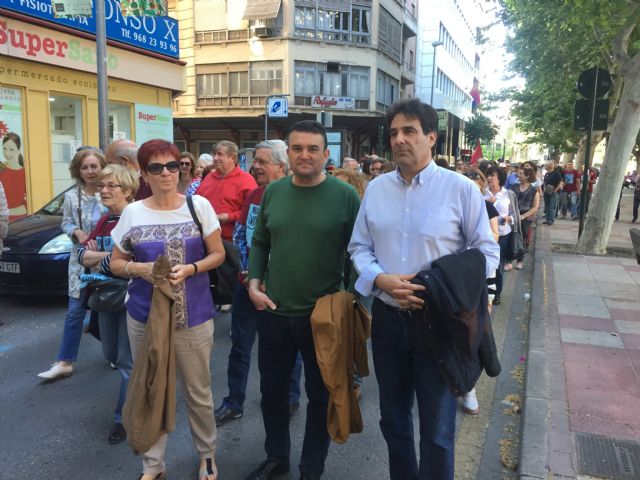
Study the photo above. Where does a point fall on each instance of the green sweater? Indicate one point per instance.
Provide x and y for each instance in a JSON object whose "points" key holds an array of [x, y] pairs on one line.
{"points": [[300, 242]]}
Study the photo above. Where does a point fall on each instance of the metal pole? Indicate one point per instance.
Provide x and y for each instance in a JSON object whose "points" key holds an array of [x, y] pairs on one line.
{"points": [[587, 156], [433, 69], [266, 116], [101, 54]]}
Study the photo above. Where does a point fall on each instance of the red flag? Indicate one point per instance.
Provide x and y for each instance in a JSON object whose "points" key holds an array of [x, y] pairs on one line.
{"points": [[476, 155]]}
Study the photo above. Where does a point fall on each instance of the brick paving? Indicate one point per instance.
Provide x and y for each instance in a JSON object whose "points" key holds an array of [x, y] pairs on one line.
{"points": [[592, 344]]}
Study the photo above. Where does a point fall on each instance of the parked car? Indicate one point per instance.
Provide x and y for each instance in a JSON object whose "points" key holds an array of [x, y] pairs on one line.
{"points": [[35, 257]]}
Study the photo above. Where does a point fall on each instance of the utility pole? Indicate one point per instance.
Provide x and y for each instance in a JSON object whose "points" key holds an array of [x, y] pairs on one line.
{"points": [[102, 80]]}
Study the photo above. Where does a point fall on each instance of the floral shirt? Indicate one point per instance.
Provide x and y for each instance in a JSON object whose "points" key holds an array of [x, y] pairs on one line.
{"points": [[90, 208]]}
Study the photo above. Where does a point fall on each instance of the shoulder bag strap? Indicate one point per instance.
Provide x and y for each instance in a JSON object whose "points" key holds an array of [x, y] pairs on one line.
{"points": [[80, 207], [192, 210]]}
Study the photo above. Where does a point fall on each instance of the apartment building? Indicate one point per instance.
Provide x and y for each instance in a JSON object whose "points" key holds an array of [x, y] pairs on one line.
{"points": [[344, 61], [448, 64]]}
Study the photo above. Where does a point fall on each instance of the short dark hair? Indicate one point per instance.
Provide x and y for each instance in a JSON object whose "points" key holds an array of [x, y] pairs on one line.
{"points": [[502, 174], [414, 108], [309, 126], [153, 148]]}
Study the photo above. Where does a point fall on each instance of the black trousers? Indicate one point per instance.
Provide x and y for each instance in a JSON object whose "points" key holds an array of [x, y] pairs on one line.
{"points": [[280, 339]]}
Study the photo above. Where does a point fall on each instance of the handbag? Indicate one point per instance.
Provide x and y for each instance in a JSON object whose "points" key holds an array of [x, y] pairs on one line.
{"points": [[549, 189], [107, 296], [223, 278], [517, 245]]}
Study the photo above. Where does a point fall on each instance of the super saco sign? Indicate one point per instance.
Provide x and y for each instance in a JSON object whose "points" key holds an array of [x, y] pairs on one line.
{"points": [[33, 43]]}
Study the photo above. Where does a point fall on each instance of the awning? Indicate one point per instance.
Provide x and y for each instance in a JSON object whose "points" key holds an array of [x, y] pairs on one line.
{"points": [[261, 9]]}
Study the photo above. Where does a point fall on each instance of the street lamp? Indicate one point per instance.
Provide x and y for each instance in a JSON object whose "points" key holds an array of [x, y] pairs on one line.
{"points": [[433, 68]]}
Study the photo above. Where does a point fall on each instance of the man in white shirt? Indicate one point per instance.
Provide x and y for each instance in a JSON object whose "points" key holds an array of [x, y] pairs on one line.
{"points": [[408, 219]]}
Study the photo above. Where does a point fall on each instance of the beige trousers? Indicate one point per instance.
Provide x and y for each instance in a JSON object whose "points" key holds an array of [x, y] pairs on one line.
{"points": [[193, 348]]}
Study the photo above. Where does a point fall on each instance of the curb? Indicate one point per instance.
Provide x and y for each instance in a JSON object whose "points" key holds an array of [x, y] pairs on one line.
{"points": [[533, 441]]}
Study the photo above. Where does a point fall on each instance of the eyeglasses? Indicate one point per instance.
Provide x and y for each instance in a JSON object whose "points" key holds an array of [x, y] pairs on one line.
{"points": [[157, 168], [185, 164], [110, 186]]}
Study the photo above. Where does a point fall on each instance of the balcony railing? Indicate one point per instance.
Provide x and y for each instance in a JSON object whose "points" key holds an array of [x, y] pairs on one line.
{"points": [[333, 36], [220, 36]]}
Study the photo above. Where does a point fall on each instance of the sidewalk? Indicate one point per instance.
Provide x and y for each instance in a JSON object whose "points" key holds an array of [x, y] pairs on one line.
{"points": [[581, 415]]}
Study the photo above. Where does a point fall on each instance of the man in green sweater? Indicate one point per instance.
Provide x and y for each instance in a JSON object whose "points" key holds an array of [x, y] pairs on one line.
{"points": [[297, 256]]}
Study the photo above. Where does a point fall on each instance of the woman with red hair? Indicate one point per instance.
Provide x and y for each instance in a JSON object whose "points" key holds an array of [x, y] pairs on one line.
{"points": [[163, 225]]}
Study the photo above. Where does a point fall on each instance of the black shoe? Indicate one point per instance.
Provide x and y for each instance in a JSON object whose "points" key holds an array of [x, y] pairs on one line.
{"points": [[224, 414], [117, 434], [496, 301], [268, 469], [309, 476], [293, 408]]}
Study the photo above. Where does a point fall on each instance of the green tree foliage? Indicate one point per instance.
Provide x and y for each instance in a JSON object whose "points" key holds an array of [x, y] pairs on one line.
{"points": [[480, 128]]}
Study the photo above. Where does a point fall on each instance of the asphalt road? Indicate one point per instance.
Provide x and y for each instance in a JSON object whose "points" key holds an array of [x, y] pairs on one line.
{"points": [[58, 430]]}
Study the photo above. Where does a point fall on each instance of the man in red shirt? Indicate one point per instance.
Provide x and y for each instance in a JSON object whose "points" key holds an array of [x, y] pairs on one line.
{"points": [[570, 191], [227, 186]]}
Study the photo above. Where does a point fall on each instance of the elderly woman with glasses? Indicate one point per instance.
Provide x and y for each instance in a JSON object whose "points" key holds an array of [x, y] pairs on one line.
{"points": [[81, 212], [528, 203], [163, 225], [117, 186]]}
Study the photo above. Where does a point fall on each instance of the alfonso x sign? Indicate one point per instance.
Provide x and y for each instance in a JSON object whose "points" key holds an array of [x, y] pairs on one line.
{"points": [[154, 34]]}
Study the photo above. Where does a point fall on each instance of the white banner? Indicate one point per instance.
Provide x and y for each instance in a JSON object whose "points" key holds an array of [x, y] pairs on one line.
{"points": [[153, 122], [338, 103]]}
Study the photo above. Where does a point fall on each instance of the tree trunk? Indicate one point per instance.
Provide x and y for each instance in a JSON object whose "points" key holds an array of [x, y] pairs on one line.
{"points": [[596, 138], [623, 137]]}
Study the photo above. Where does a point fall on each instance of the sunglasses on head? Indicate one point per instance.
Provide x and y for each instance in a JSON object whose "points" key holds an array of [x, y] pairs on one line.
{"points": [[157, 168]]}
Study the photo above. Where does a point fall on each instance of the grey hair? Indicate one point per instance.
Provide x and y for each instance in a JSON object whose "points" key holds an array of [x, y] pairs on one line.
{"points": [[278, 152], [206, 158]]}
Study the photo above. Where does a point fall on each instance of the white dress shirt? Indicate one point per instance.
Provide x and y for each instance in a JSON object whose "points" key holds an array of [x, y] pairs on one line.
{"points": [[402, 228]]}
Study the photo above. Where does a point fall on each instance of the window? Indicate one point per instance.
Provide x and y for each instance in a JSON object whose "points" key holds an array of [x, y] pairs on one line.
{"points": [[65, 114], [390, 35], [334, 21], [242, 87], [387, 90], [266, 78], [119, 120], [313, 79]]}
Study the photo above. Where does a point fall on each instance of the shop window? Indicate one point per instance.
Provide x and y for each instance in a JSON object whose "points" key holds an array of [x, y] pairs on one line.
{"points": [[313, 79], [65, 114], [386, 91], [119, 121]]}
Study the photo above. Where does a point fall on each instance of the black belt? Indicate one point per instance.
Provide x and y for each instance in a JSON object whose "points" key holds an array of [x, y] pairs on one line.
{"points": [[403, 312]]}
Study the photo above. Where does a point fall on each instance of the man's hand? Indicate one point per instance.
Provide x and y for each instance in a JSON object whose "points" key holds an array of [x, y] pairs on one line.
{"points": [[257, 296], [223, 217], [401, 289]]}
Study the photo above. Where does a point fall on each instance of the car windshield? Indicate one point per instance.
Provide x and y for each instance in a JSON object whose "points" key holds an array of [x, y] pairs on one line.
{"points": [[54, 207]]}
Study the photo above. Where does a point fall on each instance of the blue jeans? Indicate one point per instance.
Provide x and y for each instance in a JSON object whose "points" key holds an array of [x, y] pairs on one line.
{"points": [[115, 347], [244, 325], [569, 200], [404, 373], [280, 339], [72, 332], [550, 207]]}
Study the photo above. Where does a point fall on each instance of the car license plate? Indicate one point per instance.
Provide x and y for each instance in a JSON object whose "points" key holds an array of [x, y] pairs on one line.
{"points": [[9, 267]]}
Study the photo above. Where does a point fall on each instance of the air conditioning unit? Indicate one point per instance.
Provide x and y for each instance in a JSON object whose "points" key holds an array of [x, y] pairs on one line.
{"points": [[262, 32]]}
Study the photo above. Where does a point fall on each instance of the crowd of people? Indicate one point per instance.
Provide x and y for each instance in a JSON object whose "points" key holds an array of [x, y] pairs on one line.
{"points": [[302, 230]]}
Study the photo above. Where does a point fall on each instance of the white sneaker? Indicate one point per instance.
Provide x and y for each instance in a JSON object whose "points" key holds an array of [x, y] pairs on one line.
{"points": [[470, 403], [58, 369]]}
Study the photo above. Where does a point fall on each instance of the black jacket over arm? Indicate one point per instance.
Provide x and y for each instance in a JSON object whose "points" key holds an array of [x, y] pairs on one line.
{"points": [[455, 324]]}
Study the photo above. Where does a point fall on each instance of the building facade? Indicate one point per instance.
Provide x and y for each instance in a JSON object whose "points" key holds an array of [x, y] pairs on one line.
{"points": [[343, 61], [48, 90], [448, 65]]}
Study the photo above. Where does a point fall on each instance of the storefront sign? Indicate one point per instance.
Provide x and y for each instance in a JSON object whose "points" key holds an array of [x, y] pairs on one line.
{"points": [[153, 122], [338, 103], [155, 34], [12, 174], [66, 8], [30, 42]]}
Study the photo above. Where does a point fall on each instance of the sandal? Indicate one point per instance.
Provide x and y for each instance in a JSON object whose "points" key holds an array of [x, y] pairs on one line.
{"points": [[210, 469]]}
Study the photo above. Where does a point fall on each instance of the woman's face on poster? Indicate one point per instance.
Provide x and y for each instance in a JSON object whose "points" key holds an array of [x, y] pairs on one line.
{"points": [[10, 151]]}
